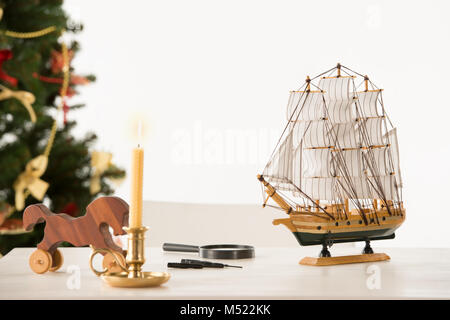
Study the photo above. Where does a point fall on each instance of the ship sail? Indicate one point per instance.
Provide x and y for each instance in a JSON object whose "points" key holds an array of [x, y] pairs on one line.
{"points": [[336, 147]]}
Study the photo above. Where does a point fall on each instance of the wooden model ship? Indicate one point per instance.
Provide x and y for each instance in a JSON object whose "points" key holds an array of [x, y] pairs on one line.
{"points": [[335, 170]]}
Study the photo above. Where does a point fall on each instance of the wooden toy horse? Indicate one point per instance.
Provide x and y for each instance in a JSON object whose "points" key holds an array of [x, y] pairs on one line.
{"points": [[90, 229]]}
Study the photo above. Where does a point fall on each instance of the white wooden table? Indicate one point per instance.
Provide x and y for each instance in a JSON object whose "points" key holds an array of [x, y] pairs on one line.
{"points": [[273, 274]]}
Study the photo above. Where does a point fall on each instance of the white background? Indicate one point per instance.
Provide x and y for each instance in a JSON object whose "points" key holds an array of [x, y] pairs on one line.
{"points": [[201, 73]]}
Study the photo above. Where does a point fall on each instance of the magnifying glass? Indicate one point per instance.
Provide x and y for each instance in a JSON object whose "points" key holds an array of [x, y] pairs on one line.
{"points": [[214, 251]]}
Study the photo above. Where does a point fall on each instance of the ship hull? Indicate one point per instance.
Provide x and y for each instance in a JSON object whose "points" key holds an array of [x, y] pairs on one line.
{"points": [[309, 230], [309, 239]]}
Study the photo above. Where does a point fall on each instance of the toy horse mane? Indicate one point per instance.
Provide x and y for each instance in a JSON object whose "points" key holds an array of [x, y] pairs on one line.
{"points": [[90, 229]]}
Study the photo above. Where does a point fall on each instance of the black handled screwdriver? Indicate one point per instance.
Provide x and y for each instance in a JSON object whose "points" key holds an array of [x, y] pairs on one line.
{"points": [[184, 265], [207, 264]]}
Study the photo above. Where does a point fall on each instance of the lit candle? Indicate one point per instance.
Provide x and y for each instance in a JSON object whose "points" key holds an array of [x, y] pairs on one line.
{"points": [[137, 171]]}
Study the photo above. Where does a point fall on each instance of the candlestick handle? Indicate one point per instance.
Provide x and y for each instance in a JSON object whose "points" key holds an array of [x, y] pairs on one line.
{"points": [[104, 250]]}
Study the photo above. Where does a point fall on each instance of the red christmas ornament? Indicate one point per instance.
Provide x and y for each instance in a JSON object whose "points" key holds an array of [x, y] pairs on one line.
{"points": [[57, 60], [11, 224], [78, 80], [66, 109], [47, 79], [56, 66], [5, 55], [70, 92], [71, 209], [74, 79]]}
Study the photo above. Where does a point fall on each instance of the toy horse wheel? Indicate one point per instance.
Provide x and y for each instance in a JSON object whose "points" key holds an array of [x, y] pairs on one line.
{"points": [[57, 261], [110, 263], [40, 261]]}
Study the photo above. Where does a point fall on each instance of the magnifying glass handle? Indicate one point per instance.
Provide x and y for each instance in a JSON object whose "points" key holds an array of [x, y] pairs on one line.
{"points": [[179, 247]]}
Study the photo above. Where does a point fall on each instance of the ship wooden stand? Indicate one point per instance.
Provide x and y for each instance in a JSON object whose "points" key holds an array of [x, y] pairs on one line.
{"points": [[335, 170]]}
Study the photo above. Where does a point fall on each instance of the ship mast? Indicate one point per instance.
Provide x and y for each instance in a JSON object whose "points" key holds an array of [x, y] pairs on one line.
{"points": [[308, 89], [346, 202], [366, 89]]}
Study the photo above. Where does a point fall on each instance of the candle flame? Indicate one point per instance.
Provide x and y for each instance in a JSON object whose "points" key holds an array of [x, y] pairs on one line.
{"points": [[138, 128]]}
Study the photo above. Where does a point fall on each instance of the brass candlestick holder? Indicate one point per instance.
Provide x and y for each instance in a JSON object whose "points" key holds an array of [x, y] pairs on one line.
{"points": [[131, 275]]}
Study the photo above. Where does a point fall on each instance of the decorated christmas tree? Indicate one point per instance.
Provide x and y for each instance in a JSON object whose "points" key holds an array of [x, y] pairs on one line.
{"points": [[40, 159]]}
